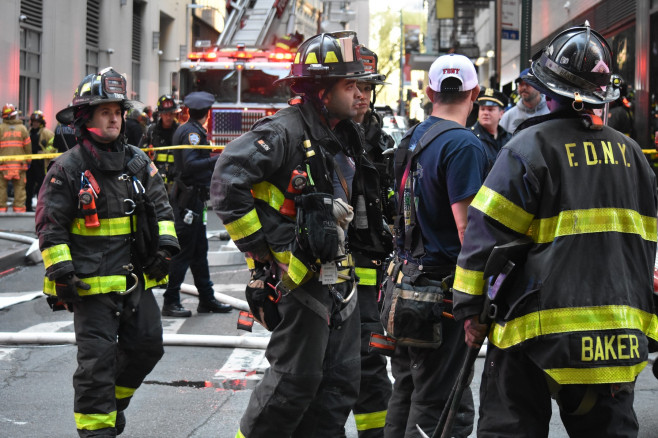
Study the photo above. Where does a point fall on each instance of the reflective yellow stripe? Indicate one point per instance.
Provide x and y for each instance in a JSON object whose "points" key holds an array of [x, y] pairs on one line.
{"points": [[56, 254], [244, 227], [594, 220], [373, 420], [99, 285], [503, 210], [367, 276], [95, 421], [250, 263], [269, 193], [297, 270], [150, 282], [164, 158], [123, 392], [576, 319], [468, 282], [167, 228], [574, 376], [239, 434], [115, 226]]}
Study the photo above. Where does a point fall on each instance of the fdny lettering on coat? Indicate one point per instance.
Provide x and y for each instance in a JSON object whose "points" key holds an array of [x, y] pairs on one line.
{"points": [[594, 153], [609, 347]]}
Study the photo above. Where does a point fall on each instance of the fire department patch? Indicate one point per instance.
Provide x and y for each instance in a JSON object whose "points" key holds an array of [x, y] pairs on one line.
{"points": [[54, 180], [194, 138], [263, 146]]}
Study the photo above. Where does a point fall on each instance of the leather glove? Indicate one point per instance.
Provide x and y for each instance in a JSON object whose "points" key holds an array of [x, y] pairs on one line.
{"points": [[67, 286], [158, 266]]}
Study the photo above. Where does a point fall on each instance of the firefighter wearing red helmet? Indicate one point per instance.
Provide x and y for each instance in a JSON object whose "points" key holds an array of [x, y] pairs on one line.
{"points": [[14, 140], [287, 192], [575, 314], [106, 234]]}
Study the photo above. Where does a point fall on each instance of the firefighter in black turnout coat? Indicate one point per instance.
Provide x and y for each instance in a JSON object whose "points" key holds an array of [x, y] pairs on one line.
{"points": [[285, 192], [106, 233]]}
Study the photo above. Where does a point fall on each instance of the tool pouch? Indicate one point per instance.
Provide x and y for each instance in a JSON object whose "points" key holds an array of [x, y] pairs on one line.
{"points": [[412, 309], [316, 226]]}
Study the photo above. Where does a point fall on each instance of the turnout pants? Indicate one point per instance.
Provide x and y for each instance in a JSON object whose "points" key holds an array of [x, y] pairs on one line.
{"points": [[375, 391], [19, 190], [515, 401], [423, 380], [313, 378], [117, 348]]}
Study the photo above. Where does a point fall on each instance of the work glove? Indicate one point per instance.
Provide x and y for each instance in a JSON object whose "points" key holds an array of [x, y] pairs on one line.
{"points": [[157, 266], [67, 286], [262, 299]]}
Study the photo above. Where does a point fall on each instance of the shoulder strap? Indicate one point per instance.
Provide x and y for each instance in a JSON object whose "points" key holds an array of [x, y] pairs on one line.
{"points": [[413, 239]]}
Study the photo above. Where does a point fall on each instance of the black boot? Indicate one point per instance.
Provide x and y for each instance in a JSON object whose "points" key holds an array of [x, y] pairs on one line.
{"points": [[213, 306], [175, 310], [120, 422]]}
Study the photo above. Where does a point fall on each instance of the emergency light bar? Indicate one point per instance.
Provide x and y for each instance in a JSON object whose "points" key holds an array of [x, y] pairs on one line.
{"points": [[240, 55]]}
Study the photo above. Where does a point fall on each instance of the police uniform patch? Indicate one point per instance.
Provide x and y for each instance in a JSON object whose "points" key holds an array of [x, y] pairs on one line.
{"points": [[194, 138], [263, 146]]}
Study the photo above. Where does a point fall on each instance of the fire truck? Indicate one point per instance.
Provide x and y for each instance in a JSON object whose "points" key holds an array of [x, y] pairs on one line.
{"points": [[256, 48]]}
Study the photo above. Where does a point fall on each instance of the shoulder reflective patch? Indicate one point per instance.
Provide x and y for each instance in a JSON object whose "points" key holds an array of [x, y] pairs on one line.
{"points": [[263, 146], [56, 181], [194, 138], [153, 170]]}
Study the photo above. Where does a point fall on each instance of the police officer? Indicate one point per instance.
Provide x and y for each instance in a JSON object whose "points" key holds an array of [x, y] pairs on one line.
{"points": [[194, 169], [565, 327], [41, 139], [106, 234], [491, 107], [370, 408], [276, 189], [160, 134]]}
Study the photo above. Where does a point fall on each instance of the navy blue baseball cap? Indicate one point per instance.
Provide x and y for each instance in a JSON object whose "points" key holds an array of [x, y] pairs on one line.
{"points": [[199, 100], [522, 76]]}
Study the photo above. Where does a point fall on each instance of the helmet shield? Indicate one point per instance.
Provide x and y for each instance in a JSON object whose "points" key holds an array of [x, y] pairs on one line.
{"points": [[576, 63], [167, 104], [333, 55], [370, 62], [105, 87]]}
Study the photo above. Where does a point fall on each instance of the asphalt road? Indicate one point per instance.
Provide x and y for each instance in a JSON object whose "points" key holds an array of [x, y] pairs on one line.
{"points": [[192, 392]]}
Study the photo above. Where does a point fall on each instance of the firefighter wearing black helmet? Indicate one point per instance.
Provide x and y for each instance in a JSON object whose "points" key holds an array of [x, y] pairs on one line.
{"points": [[574, 320], [106, 233], [160, 134], [286, 192]]}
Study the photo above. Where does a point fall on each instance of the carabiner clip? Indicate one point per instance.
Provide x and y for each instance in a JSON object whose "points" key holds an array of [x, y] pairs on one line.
{"points": [[129, 267], [132, 205], [137, 185]]}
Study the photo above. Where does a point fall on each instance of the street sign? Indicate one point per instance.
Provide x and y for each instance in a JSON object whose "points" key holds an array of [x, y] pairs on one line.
{"points": [[510, 20]]}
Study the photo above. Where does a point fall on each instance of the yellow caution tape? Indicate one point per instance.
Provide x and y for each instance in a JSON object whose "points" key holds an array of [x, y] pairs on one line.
{"points": [[57, 154]]}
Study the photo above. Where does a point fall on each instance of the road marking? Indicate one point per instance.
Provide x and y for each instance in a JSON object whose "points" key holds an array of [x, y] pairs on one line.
{"points": [[171, 326], [47, 327], [10, 299], [244, 367]]}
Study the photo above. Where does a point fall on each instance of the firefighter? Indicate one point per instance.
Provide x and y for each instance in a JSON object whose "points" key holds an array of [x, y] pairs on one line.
{"points": [[14, 140], [160, 134], [491, 107], [41, 139], [190, 194], [285, 191], [370, 408], [106, 234], [565, 327]]}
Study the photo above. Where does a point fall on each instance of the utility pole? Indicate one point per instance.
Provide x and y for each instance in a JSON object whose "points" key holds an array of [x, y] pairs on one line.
{"points": [[526, 33]]}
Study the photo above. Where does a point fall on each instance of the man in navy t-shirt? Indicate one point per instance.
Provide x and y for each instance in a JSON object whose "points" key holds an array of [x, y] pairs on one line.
{"points": [[449, 172]]}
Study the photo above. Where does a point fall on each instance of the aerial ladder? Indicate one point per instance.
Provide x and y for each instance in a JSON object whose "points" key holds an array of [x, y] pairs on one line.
{"points": [[250, 22]]}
